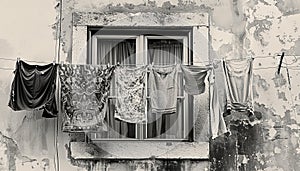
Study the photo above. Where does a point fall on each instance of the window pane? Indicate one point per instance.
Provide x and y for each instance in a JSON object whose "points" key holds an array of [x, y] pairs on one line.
{"points": [[164, 51], [115, 51], [118, 128], [166, 126]]}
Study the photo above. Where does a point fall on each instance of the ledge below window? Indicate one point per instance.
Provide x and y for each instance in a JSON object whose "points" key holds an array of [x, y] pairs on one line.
{"points": [[139, 150]]}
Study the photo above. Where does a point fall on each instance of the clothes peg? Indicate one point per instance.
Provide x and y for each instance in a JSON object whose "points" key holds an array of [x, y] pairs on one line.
{"points": [[53, 62], [280, 63], [18, 59]]}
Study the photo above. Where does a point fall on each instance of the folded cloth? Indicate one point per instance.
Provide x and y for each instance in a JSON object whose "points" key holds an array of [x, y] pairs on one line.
{"points": [[84, 92], [163, 89], [34, 87], [194, 77], [131, 99]]}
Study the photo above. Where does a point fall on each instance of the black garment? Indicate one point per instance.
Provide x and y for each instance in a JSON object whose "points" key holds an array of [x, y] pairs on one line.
{"points": [[33, 87]]}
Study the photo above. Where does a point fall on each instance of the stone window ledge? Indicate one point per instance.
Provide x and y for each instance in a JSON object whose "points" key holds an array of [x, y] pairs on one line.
{"points": [[139, 150]]}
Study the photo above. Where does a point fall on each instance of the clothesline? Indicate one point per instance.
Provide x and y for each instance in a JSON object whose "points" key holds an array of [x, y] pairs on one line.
{"points": [[216, 59], [292, 68], [10, 59], [262, 68], [208, 62]]}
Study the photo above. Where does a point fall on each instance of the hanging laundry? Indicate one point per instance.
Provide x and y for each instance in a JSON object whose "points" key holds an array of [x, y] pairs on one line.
{"points": [[163, 89], [130, 106], [34, 87], [217, 102], [84, 92], [194, 77], [238, 81]]}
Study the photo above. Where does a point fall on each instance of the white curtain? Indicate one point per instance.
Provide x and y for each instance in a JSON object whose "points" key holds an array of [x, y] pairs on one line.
{"points": [[165, 52], [114, 51]]}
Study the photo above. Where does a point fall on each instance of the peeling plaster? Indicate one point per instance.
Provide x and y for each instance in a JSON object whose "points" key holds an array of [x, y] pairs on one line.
{"points": [[10, 153], [288, 7], [279, 80], [281, 95], [277, 150]]}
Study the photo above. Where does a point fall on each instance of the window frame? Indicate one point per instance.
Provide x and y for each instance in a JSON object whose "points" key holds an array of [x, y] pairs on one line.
{"points": [[141, 53]]}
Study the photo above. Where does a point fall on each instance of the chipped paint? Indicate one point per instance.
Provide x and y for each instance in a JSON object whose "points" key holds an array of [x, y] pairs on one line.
{"points": [[281, 95]]}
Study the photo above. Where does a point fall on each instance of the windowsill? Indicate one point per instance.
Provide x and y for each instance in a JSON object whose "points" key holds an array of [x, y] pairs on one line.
{"points": [[141, 140], [139, 150]]}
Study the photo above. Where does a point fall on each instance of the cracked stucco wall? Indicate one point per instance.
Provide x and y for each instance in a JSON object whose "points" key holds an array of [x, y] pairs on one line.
{"points": [[239, 28], [249, 28]]}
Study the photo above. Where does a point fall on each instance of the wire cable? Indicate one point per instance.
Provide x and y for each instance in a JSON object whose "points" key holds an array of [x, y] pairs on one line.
{"points": [[7, 59], [58, 41], [292, 99], [8, 69], [207, 61]]}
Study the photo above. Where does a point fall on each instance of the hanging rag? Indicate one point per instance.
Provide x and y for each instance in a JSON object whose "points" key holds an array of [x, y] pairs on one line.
{"points": [[217, 102], [84, 92], [194, 77], [34, 87], [130, 106], [163, 89], [238, 81]]}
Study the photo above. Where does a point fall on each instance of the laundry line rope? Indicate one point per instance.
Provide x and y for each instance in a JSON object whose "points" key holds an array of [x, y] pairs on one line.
{"points": [[208, 62]]}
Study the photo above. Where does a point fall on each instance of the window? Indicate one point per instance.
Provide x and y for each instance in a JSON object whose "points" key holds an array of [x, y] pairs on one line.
{"points": [[144, 46]]}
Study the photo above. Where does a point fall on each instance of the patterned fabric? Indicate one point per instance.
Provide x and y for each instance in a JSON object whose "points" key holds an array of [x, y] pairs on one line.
{"points": [[34, 87], [131, 100], [84, 91]]}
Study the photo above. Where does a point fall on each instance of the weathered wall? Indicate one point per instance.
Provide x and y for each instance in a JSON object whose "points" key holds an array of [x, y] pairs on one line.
{"points": [[26, 140], [161, 153], [239, 28], [249, 28], [256, 28]]}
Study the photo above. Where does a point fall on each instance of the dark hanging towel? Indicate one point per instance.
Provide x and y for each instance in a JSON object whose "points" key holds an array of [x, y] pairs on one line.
{"points": [[84, 93], [34, 87]]}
